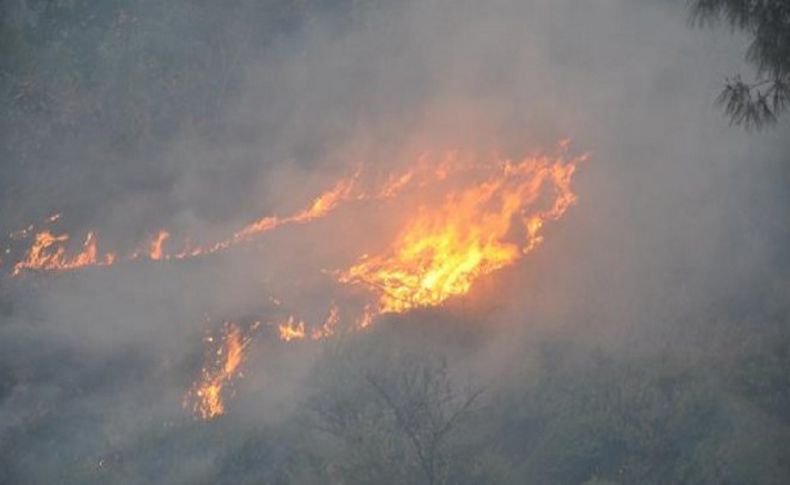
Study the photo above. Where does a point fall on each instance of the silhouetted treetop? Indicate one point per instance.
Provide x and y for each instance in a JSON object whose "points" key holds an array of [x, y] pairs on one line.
{"points": [[762, 100]]}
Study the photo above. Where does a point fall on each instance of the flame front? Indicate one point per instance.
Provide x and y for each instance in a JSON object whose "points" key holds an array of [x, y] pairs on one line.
{"points": [[48, 253], [454, 219], [475, 231], [328, 328], [205, 397]]}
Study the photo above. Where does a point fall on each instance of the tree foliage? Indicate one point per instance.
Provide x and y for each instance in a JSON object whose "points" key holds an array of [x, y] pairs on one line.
{"points": [[761, 101]]}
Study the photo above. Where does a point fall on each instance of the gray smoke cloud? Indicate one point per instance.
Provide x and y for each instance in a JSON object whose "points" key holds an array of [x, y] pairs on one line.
{"points": [[679, 214]]}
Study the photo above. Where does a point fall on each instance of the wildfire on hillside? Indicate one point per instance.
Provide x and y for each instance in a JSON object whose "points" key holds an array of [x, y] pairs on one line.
{"points": [[460, 218]]}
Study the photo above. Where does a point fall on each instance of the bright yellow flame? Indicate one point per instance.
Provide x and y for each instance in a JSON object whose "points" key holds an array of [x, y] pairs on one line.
{"points": [[48, 253], [205, 397], [477, 229], [464, 219], [326, 202], [292, 330]]}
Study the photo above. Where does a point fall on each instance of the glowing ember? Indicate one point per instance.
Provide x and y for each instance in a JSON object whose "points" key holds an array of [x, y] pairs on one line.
{"points": [[21, 233], [294, 329], [206, 396]]}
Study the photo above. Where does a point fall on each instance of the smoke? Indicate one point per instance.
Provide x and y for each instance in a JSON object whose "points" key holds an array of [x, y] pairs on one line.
{"points": [[679, 215]]}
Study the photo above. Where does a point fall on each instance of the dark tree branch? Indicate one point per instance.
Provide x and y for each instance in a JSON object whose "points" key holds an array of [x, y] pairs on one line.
{"points": [[760, 103], [426, 408]]}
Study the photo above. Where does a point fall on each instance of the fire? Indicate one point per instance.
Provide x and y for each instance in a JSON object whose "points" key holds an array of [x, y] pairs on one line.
{"points": [[327, 202], [155, 251], [454, 219], [205, 397], [365, 320], [395, 184], [48, 253], [345, 190], [292, 330], [320, 207], [475, 231], [328, 327]]}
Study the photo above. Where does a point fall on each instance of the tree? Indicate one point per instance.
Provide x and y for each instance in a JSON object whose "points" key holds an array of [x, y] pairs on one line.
{"points": [[427, 408], [759, 102], [396, 416]]}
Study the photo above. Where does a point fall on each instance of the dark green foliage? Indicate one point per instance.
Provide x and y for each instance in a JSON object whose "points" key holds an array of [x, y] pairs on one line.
{"points": [[760, 102]]}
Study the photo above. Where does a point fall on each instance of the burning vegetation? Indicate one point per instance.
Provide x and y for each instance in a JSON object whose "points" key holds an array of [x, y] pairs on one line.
{"points": [[225, 355], [471, 217], [474, 231]]}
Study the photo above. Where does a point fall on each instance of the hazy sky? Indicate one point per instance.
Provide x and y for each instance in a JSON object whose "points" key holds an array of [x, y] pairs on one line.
{"points": [[676, 208]]}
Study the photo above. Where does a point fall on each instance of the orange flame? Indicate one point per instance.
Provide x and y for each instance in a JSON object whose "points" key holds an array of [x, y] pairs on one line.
{"points": [[489, 217], [443, 250], [155, 249], [467, 219], [344, 190], [40, 257], [205, 397], [365, 320], [320, 207], [327, 202], [327, 329], [48, 253], [292, 330]]}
